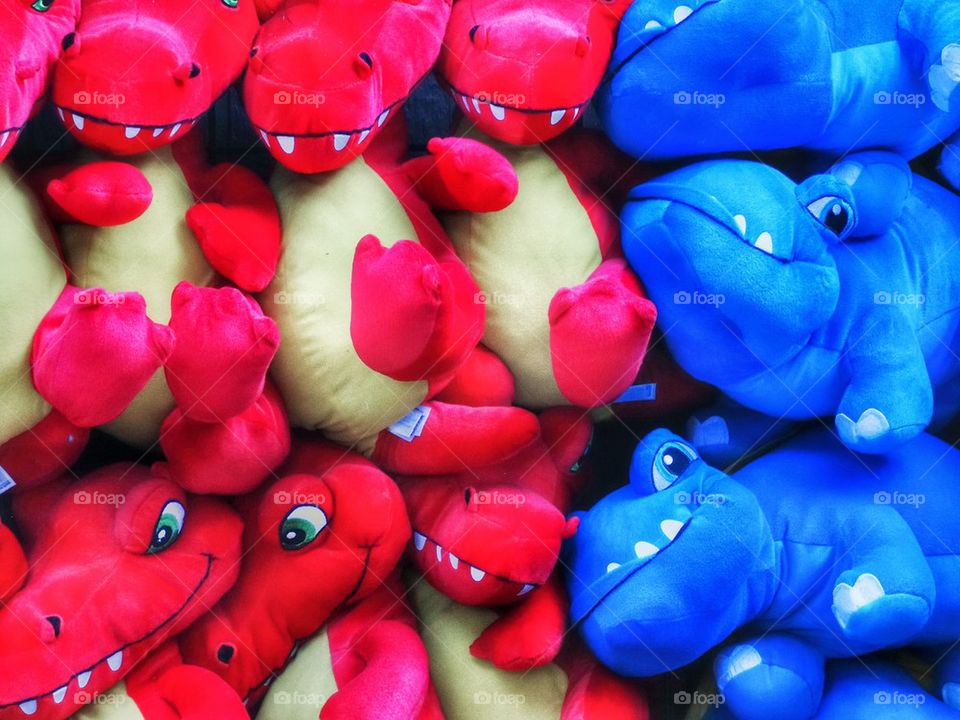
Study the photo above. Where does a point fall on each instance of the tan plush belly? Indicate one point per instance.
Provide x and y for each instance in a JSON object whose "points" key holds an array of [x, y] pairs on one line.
{"points": [[31, 279], [149, 255], [305, 685], [324, 383], [520, 257]]}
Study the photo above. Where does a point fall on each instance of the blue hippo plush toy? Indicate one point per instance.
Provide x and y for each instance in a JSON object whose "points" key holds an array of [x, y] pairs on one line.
{"points": [[712, 76], [809, 552], [839, 296]]}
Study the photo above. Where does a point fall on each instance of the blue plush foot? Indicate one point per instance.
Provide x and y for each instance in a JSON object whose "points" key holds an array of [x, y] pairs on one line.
{"points": [[871, 428], [867, 614], [755, 688], [950, 693], [945, 77]]}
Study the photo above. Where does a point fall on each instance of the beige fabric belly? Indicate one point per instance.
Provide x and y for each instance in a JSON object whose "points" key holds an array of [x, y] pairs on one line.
{"points": [[472, 689], [150, 256], [305, 685], [520, 257], [115, 704], [31, 279], [323, 381]]}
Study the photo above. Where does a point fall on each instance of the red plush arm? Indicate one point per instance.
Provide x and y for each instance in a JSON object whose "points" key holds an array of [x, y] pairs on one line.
{"points": [[393, 684], [528, 634], [13, 564], [483, 379], [188, 692], [99, 194], [237, 224], [463, 174], [456, 438]]}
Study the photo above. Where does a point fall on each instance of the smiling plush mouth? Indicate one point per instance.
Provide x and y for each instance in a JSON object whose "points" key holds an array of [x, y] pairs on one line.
{"points": [[476, 107], [645, 551], [477, 574], [657, 30], [79, 122], [113, 661], [338, 140]]}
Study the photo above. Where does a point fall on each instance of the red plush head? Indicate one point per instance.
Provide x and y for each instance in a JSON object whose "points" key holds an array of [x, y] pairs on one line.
{"points": [[119, 562], [524, 70], [325, 75], [313, 543], [491, 535], [137, 74], [32, 32]]}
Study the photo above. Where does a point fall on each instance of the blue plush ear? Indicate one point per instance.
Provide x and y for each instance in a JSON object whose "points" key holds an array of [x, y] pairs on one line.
{"points": [[879, 183]]}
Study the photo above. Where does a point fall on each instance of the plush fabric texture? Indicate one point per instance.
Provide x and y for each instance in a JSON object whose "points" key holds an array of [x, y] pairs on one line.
{"points": [[575, 687], [323, 536], [829, 76], [367, 663], [118, 562], [844, 300], [671, 565], [325, 76], [378, 314], [524, 71], [563, 311], [32, 41], [43, 452], [136, 76]]}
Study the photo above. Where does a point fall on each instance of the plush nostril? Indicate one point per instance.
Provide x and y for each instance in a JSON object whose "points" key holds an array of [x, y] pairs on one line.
{"points": [[68, 40], [186, 71], [473, 34], [363, 65], [225, 653], [583, 45], [26, 70], [55, 622]]}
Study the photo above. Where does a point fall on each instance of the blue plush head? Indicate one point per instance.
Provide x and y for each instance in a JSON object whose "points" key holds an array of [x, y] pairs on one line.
{"points": [[736, 256], [641, 612]]}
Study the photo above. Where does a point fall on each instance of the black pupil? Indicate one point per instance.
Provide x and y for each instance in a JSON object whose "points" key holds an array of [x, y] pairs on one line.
{"points": [[367, 59], [294, 537], [676, 461], [837, 219], [162, 536]]}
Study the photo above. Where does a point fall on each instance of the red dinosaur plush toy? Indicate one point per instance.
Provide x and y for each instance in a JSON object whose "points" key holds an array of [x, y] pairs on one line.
{"points": [[170, 227], [33, 34], [326, 75], [109, 568], [137, 75], [524, 70], [367, 663], [324, 536]]}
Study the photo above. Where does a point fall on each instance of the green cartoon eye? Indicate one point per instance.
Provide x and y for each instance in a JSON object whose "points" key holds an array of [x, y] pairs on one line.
{"points": [[42, 5], [301, 526], [230, 3], [168, 527]]}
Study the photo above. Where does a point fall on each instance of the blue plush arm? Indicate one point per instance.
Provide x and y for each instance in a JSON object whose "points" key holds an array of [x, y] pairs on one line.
{"points": [[880, 182], [726, 432]]}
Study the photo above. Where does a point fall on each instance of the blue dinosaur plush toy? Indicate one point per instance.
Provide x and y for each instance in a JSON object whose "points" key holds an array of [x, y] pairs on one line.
{"points": [[712, 76], [839, 296], [807, 553]]}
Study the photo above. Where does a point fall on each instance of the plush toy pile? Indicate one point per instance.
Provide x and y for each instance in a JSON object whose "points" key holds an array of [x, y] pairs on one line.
{"points": [[479, 359]]}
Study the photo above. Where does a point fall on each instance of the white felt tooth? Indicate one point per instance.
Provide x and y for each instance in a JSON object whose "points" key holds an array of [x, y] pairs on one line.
{"points": [[115, 661], [466, 103], [29, 707], [612, 566], [59, 694], [266, 138], [498, 112], [439, 554], [476, 104], [741, 222], [60, 113], [652, 25], [3, 138], [419, 541], [286, 143], [765, 243], [670, 528], [83, 678], [644, 549], [383, 118], [175, 129], [556, 116], [130, 132], [157, 132], [78, 121], [454, 560], [340, 141], [363, 136], [681, 13], [477, 574], [576, 111]]}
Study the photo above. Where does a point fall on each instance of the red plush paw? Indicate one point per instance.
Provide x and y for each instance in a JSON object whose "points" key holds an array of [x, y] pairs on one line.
{"points": [[101, 194], [477, 177], [599, 332], [516, 643], [224, 346], [94, 351]]}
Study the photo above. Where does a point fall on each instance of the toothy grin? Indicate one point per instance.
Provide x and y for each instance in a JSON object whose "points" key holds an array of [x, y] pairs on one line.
{"points": [[79, 121], [339, 140], [645, 550], [476, 574], [475, 107]]}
